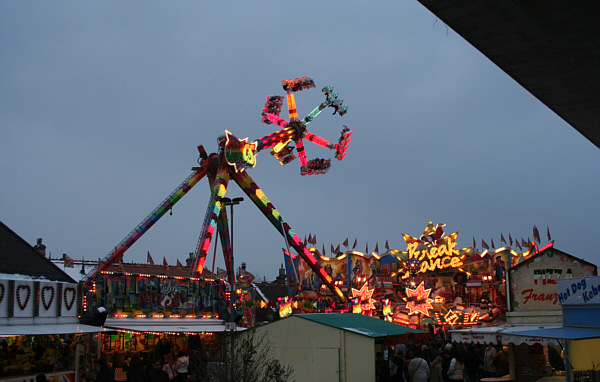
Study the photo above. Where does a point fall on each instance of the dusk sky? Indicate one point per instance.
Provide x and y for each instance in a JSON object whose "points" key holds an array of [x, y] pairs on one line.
{"points": [[102, 105]]}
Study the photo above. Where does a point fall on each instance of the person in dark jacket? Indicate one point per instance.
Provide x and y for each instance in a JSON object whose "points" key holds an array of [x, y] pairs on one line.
{"points": [[135, 371], [156, 374], [105, 372]]}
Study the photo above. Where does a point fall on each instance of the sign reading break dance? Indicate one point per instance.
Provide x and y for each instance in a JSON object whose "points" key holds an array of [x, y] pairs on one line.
{"points": [[434, 251]]}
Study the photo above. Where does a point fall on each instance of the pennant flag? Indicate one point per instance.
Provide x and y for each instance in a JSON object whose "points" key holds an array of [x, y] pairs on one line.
{"points": [[337, 249], [245, 278], [69, 263], [221, 273], [179, 265], [510, 239], [377, 247], [354, 246], [332, 249], [536, 234], [518, 245], [493, 245], [149, 259], [548, 233], [165, 264], [305, 241], [314, 240], [323, 249], [524, 243], [474, 245], [367, 248], [387, 246], [502, 240], [345, 243], [484, 244]]}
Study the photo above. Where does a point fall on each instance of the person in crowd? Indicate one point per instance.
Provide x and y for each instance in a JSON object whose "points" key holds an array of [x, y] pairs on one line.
{"points": [[181, 367], [41, 378], [397, 365], [382, 371], [501, 362], [435, 367], [418, 369], [457, 367], [446, 359], [472, 364], [169, 368], [156, 374], [135, 371], [489, 370], [425, 353], [162, 349], [105, 372]]}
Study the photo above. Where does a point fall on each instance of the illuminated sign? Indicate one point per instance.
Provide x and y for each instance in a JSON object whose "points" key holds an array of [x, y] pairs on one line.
{"points": [[285, 309], [239, 153], [363, 300], [434, 251], [418, 300]]}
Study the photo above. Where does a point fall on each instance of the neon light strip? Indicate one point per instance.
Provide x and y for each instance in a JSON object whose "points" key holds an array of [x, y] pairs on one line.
{"points": [[301, 152], [291, 101], [316, 139], [210, 219], [145, 225], [317, 110], [276, 120], [223, 229], [272, 139], [258, 197]]}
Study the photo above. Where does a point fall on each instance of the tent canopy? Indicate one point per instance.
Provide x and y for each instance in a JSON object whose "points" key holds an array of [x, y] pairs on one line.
{"points": [[163, 325], [547, 335], [38, 330]]}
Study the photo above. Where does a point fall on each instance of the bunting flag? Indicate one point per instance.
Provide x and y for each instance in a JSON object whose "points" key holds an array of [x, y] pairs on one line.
{"points": [[484, 244], [548, 233], [474, 245], [305, 241], [377, 247], [149, 259], [345, 243], [165, 264], [332, 249], [179, 265], [367, 248], [337, 249], [510, 239], [323, 249], [354, 246], [518, 245], [524, 243], [69, 263], [536, 234], [245, 278], [493, 245], [221, 273], [502, 240], [387, 246], [314, 240]]}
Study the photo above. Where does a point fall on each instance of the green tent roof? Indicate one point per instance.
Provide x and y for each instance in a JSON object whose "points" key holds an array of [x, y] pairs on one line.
{"points": [[361, 324]]}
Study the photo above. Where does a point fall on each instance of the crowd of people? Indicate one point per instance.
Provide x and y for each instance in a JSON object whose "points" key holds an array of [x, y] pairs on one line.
{"points": [[440, 361]]}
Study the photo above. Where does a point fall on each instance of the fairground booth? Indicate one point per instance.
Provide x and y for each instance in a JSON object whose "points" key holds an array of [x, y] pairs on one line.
{"points": [[40, 331]]}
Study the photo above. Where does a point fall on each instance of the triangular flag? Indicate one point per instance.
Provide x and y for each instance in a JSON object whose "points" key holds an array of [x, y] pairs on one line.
{"points": [[314, 240], [493, 245], [245, 278], [221, 273], [337, 249], [179, 265], [354, 246], [502, 240], [536, 234], [474, 245], [518, 245], [510, 239], [524, 243], [149, 259], [323, 250], [305, 241], [548, 233], [367, 247], [165, 264], [332, 249], [387, 246], [377, 247], [345, 243], [484, 244]]}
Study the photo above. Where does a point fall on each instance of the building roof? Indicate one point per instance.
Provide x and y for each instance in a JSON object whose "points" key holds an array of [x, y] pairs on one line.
{"points": [[17, 257], [360, 324], [547, 47], [551, 251]]}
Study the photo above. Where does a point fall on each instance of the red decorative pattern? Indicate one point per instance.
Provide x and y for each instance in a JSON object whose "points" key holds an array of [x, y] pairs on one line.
{"points": [[48, 302], [2, 292], [69, 296], [20, 302]]}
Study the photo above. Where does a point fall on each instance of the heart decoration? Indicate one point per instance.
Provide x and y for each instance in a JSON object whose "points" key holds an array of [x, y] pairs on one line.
{"points": [[2, 290], [69, 294], [20, 302], [47, 302]]}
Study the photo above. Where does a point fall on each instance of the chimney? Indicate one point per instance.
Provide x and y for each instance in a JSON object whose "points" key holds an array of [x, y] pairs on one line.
{"points": [[41, 248], [189, 262]]}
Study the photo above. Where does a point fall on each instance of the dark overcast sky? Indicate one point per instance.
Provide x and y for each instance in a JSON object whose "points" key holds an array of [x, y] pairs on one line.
{"points": [[102, 105]]}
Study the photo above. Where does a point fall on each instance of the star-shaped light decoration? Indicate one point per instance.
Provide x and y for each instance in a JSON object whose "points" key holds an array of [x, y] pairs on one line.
{"points": [[363, 297], [239, 153], [418, 300]]}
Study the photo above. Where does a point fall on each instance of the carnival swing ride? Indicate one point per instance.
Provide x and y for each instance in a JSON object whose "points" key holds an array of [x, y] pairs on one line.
{"points": [[236, 155]]}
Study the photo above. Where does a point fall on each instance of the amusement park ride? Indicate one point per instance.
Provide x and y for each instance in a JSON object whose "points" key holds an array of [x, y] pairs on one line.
{"points": [[234, 156]]}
